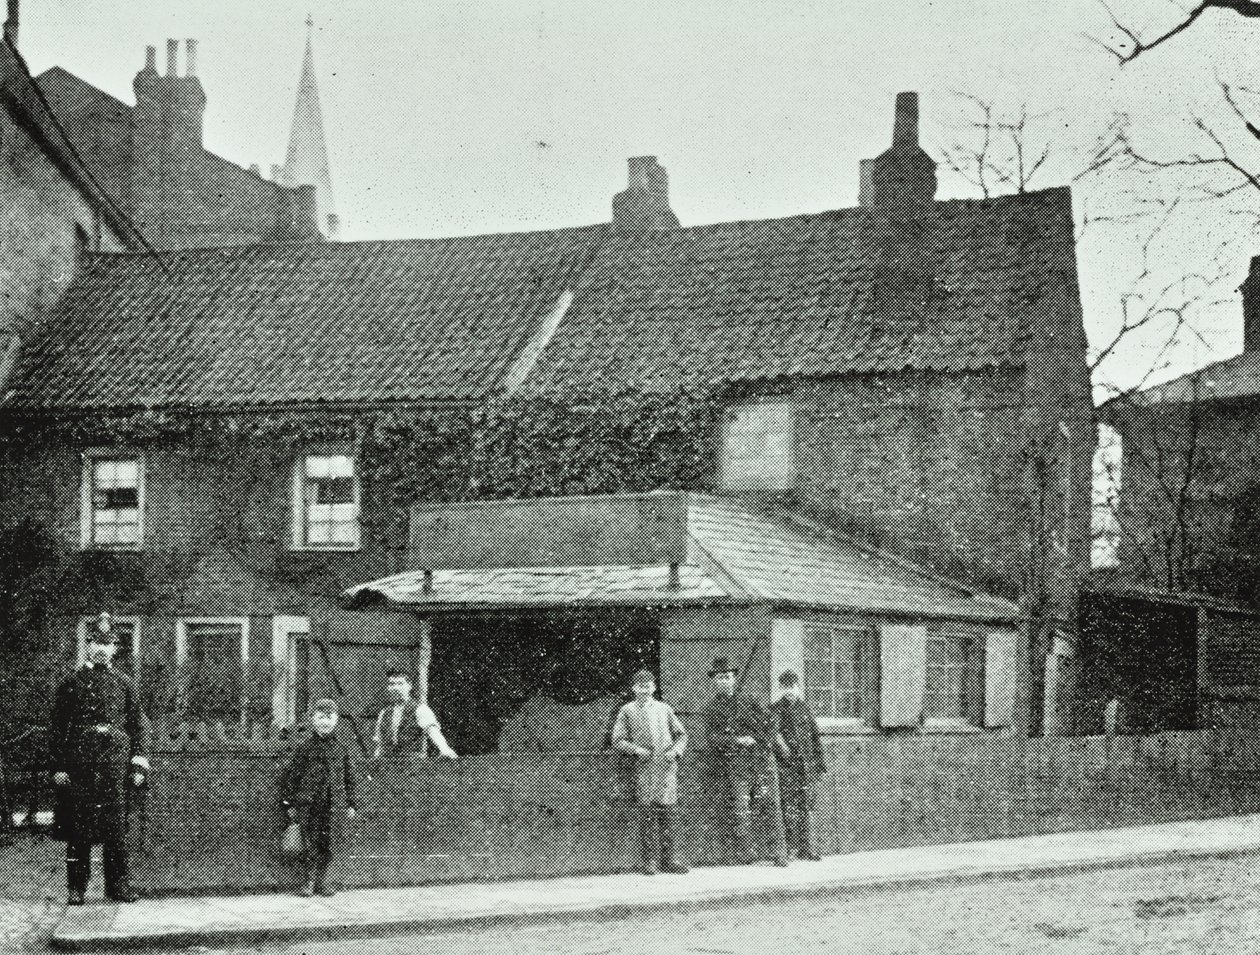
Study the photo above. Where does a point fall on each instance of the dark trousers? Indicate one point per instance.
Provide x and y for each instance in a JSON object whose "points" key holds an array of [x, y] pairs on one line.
{"points": [[79, 866], [737, 779], [658, 835], [317, 856]]}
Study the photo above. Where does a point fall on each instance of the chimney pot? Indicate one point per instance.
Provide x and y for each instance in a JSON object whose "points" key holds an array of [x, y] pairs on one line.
{"points": [[172, 54], [253, 167], [191, 66], [906, 120], [150, 58], [275, 172], [334, 226]]}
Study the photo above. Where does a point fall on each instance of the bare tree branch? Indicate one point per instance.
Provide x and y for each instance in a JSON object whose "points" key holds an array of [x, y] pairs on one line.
{"points": [[1133, 45]]}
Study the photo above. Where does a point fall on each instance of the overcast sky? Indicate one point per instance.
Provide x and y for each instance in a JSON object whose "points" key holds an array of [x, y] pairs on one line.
{"points": [[461, 116]]}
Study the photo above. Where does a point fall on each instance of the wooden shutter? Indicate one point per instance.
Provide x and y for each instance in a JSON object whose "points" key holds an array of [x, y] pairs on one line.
{"points": [[999, 678], [903, 669]]}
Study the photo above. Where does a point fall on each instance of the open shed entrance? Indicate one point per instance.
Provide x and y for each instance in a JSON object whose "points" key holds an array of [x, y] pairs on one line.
{"points": [[487, 668]]}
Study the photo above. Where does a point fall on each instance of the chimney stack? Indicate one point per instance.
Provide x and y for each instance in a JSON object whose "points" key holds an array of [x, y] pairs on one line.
{"points": [[643, 206], [150, 59], [1251, 307], [903, 177], [172, 54], [190, 68]]}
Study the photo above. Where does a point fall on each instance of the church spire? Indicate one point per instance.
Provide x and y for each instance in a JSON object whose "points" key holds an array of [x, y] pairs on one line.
{"points": [[307, 159]]}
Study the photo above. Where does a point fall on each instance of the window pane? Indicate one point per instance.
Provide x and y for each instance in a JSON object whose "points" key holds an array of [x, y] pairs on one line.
{"points": [[316, 466], [833, 670], [334, 491], [126, 473]]}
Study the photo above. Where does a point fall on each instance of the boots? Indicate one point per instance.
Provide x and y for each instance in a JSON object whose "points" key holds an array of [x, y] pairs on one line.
{"points": [[322, 886], [78, 872], [805, 838], [648, 839], [669, 841], [743, 839]]}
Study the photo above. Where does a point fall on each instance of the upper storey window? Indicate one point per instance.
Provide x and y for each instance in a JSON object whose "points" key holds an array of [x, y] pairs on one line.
{"points": [[758, 447], [326, 499], [113, 494]]}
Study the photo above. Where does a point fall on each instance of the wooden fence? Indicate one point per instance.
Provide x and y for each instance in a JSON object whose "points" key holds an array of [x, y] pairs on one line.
{"points": [[212, 822]]}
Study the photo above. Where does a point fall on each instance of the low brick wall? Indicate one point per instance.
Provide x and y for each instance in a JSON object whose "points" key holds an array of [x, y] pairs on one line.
{"points": [[213, 822]]}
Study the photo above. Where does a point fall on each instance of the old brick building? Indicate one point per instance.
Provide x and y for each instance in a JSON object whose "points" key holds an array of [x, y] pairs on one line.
{"points": [[218, 455], [150, 160]]}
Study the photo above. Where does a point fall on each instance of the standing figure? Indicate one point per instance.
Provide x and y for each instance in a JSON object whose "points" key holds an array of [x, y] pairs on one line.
{"points": [[798, 748], [407, 726], [318, 789], [647, 729], [98, 740], [735, 727]]}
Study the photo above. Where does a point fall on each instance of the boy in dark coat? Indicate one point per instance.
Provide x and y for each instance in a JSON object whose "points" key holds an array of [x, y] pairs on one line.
{"points": [[97, 743], [736, 730], [800, 754], [318, 789]]}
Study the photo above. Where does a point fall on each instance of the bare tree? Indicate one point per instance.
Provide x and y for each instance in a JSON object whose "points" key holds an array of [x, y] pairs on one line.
{"points": [[997, 152]]}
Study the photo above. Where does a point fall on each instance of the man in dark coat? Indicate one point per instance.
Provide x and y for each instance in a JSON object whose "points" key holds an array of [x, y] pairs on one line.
{"points": [[736, 729], [798, 748], [318, 790], [98, 741]]}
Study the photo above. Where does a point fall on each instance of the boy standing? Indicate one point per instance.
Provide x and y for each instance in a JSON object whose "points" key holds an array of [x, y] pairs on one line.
{"points": [[648, 729], [736, 729], [318, 790], [800, 754]]}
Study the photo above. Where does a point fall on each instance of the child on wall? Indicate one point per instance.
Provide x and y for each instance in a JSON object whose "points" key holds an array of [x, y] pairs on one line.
{"points": [[647, 729], [318, 791]]}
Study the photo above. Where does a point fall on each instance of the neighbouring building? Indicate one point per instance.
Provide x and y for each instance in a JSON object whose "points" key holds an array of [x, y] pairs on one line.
{"points": [[895, 394], [151, 161], [1185, 494]]}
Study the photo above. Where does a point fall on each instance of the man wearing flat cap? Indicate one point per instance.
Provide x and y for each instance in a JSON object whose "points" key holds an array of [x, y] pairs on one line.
{"points": [[98, 741], [737, 731]]}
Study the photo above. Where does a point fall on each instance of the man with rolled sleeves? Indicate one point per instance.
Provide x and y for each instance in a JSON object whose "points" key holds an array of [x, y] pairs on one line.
{"points": [[98, 741], [736, 727]]}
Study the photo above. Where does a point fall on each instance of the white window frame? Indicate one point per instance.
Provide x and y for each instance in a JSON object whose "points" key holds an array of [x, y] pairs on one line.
{"points": [[976, 657], [860, 632], [284, 658], [301, 513], [81, 632], [181, 644], [87, 506], [758, 481]]}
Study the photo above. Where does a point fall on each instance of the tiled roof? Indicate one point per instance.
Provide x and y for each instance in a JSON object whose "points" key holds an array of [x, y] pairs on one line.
{"points": [[1237, 377], [977, 285], [736, 555], [326, 322], [822, 294]]}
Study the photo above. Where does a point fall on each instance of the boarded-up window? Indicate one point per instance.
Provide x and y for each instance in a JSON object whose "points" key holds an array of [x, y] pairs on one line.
{"points": [[757, 447], [326, 502], [112, 494], [903, 666], [212, 655]]}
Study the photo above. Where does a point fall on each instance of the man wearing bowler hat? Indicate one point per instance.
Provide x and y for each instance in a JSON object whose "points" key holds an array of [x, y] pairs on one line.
{"points": [[98, 739], [735, 727]]}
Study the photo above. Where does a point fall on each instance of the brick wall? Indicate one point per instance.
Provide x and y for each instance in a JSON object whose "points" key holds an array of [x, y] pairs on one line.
{"points": [[213, 823]]}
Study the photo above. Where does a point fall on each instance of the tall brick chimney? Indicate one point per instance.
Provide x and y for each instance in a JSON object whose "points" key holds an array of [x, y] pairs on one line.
{"points": [[1251, 307], [643, 206], [166, 140], [903, 176]]}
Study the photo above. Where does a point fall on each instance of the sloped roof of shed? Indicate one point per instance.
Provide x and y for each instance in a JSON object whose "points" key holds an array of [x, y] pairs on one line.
{"points": [[446, 319], [736, 555]]}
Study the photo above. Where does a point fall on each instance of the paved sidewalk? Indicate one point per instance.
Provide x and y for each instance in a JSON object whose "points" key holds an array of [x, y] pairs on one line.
{"points": [[368, 912]]}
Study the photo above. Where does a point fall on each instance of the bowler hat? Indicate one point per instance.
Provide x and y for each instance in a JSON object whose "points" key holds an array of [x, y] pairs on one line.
{"points": [[722, 665]]}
